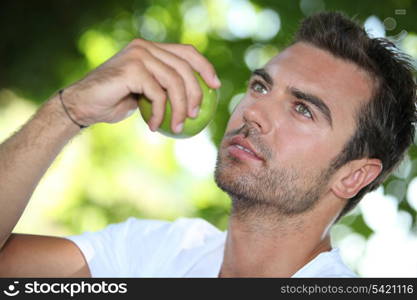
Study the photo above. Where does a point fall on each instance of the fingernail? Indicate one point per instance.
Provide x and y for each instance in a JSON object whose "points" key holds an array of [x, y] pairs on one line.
{"points": [[151, 124], [217, 80], [195, 111], [179, 127]]}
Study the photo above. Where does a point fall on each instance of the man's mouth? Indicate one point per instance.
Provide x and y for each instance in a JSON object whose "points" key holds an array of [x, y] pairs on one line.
{"points": [[244, 149], [241, 148]]}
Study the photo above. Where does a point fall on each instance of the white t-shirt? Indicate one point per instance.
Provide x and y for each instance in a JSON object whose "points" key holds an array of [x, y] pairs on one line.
{"points": [[184, 248]]}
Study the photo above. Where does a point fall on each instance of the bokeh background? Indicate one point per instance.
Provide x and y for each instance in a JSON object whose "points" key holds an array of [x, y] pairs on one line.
{"points": [[111, 172]]}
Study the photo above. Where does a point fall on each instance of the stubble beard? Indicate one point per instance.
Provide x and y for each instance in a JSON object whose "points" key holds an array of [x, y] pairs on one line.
{"points": [[268, 192]]}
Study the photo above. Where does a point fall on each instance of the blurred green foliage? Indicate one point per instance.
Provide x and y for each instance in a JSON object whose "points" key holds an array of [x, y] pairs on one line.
{"points": [[47, 45]]}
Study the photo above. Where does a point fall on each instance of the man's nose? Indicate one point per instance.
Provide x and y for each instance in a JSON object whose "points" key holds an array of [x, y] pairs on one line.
{"points": [[260, 115]]}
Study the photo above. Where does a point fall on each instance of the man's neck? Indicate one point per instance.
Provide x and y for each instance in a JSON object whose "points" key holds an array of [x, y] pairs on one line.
{"points": [[258, 247]]}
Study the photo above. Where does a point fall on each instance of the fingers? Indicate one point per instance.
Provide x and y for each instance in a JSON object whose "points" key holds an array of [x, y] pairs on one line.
{"points": [[158, 104], [169, 79], [151, 80], [183, 68], [168, 70], [144, 83], [197, 61]]}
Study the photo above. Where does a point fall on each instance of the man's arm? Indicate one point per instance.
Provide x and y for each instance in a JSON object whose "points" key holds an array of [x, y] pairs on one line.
{"points": [[107, 94], [24, 158]]}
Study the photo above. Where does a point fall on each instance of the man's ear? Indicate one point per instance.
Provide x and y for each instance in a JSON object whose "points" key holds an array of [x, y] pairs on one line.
{"points": [[355, 175]]}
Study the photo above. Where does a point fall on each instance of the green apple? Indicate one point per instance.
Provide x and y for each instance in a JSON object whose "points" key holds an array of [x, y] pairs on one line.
{"points": [[208, 107]]}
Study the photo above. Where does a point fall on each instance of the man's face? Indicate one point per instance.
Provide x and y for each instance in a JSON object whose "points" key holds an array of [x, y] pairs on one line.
{"points": [[298, 113]]}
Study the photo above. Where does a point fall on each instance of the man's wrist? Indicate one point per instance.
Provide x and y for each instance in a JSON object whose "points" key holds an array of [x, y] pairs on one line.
{"points": [[53, 115], [71, 98], [60, 95]]}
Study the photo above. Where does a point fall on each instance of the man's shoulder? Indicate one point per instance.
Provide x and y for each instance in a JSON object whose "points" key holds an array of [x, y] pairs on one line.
{"points": [[180, 224], [136, 231], [326, 264], [149, 248], [195, 230]]}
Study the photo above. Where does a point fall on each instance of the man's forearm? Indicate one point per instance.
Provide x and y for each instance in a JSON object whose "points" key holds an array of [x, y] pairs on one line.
{"points": [[25, 157]]}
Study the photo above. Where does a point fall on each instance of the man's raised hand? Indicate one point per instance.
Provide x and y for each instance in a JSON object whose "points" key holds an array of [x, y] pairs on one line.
{"points": [[156, 70]]}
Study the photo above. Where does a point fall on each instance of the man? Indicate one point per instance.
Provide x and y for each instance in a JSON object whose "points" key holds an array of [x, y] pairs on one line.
{"points": [[324, 122]]}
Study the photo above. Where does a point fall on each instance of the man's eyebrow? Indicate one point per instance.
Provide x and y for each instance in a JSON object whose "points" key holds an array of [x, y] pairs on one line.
{"points": [[264, 75], [314, 100]]}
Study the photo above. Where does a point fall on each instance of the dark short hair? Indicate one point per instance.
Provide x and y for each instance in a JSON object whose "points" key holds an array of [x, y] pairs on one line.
{"points": [[385, 124]]}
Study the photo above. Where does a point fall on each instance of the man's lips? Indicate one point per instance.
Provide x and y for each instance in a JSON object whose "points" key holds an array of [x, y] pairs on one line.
{"points": [[243, 145]]}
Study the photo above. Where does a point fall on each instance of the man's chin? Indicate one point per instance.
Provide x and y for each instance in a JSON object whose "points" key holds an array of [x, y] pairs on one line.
{"points": [[224, 176], [232, 181]]}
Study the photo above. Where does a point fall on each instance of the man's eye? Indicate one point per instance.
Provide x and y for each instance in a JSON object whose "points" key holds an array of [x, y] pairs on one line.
{"points": [[258, 87], [303, 110]]}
